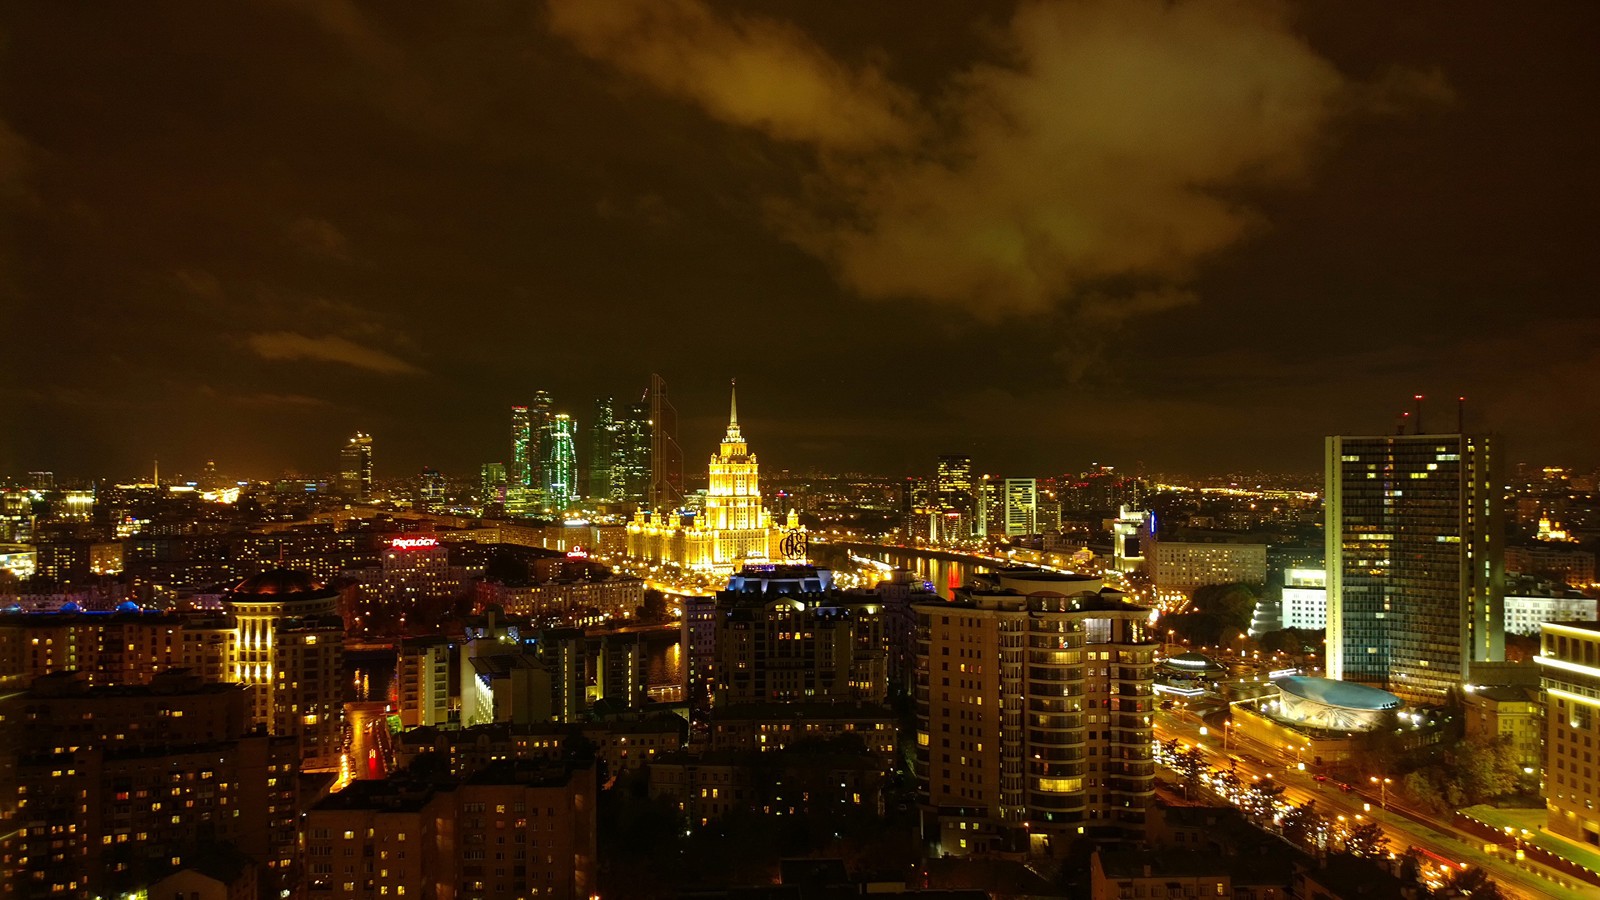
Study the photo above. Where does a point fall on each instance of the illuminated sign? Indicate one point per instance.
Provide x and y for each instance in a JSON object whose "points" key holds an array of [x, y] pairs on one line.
{"points": [[415, 543], [577, 553], [794, 545]]}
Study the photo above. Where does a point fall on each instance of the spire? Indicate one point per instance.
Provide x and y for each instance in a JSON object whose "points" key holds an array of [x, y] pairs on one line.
{"points": [[733, 436]]}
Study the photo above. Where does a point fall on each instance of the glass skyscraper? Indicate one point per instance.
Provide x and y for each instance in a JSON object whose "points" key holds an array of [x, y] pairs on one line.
{"points": [[1416, 578], [560, 467]]}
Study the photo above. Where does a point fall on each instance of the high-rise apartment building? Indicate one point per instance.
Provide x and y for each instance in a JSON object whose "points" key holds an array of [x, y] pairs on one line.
{"points": [[290, 654], [1034, 695], [1569, 655], [104, 789], [517, 828], [560, 469], [355, 467], [1022, 506], [1416, 581]]}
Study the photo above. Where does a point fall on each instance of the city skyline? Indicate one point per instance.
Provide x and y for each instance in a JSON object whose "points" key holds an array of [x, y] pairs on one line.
{"points": [[405, 222]]}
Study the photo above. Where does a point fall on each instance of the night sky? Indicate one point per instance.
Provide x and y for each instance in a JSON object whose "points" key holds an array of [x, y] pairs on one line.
{"points": [[1192, 235]]}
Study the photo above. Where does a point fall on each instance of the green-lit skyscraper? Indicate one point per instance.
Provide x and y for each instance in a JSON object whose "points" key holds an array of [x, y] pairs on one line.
{"points": [[560, 466]]}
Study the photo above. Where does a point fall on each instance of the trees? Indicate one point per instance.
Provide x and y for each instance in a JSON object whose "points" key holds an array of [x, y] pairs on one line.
{"points": [[1303, 826], [1366, 839], [1471, 772], [1474, 883], [1190, 764]]}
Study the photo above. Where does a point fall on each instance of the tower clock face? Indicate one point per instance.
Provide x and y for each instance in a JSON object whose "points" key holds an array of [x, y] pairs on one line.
{"points": [[794, 545]]}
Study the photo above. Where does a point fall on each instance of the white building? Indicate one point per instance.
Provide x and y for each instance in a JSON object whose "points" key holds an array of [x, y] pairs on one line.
{"points": [[1305, 599], [1524, 615]]}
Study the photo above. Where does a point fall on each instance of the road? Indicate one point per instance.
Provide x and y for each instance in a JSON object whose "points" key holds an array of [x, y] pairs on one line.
{"points": [[1520, 878]]}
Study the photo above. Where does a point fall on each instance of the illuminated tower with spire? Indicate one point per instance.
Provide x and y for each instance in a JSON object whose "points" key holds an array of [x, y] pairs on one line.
{"points": [[735, 527]]}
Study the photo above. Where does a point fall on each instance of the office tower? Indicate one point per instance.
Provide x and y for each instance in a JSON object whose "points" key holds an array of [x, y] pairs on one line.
{"points": [[990, 496], [1569, 655], [290, 653], [602, 449], [431, 490], [1416, 581], [1022, 506], [355, 467], [630, 454], [957, 503], [106, 788], [560, 469], [521, 473], [1034, 697], [492, 483], [41, 482], [539, 427], [666, 457]]}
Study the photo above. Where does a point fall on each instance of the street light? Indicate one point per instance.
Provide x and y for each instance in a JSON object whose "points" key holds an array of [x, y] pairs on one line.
{"points": [[1383, 788]]}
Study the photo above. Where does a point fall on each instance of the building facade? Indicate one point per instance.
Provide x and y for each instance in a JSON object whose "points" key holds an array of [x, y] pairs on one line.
{"points": [[733, 529], [1416, 584], [1034, 700], [1569, 660], [355, 467], [1179, 567], [1021, 506]]}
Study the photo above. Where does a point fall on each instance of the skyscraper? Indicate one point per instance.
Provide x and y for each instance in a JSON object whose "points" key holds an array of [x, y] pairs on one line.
{"points": [[1022, 506], [560, 464], [539, 427], [630, 454], [956, 499], [602, 449], [1416, 578], [431, 490], [355, 467], [666, 457], [492, 487], [521, 444]]}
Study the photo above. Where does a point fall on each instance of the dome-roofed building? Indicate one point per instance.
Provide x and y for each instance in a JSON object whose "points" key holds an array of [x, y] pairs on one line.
{"points": [[1334, 705], [290, 651]]}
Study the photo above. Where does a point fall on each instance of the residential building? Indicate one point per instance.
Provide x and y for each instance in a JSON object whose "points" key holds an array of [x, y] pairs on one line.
{"points": [[1569, 657], [1034, 701], [103, 789]]}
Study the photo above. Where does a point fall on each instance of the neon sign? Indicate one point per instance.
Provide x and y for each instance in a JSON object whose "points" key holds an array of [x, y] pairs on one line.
{"points": [[577, 553], [413, 543]]}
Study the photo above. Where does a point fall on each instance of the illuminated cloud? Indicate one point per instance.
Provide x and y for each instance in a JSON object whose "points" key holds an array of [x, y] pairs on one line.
{"points": [[287, 346], [748, 71], [1105, 147]]}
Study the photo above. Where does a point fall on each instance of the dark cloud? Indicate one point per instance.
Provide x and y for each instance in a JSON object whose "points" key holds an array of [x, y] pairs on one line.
{"points": [[1196, 233]]}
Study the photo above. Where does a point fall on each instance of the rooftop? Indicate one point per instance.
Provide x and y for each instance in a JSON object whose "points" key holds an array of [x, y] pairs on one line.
{"points": [[1346, 694]]}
